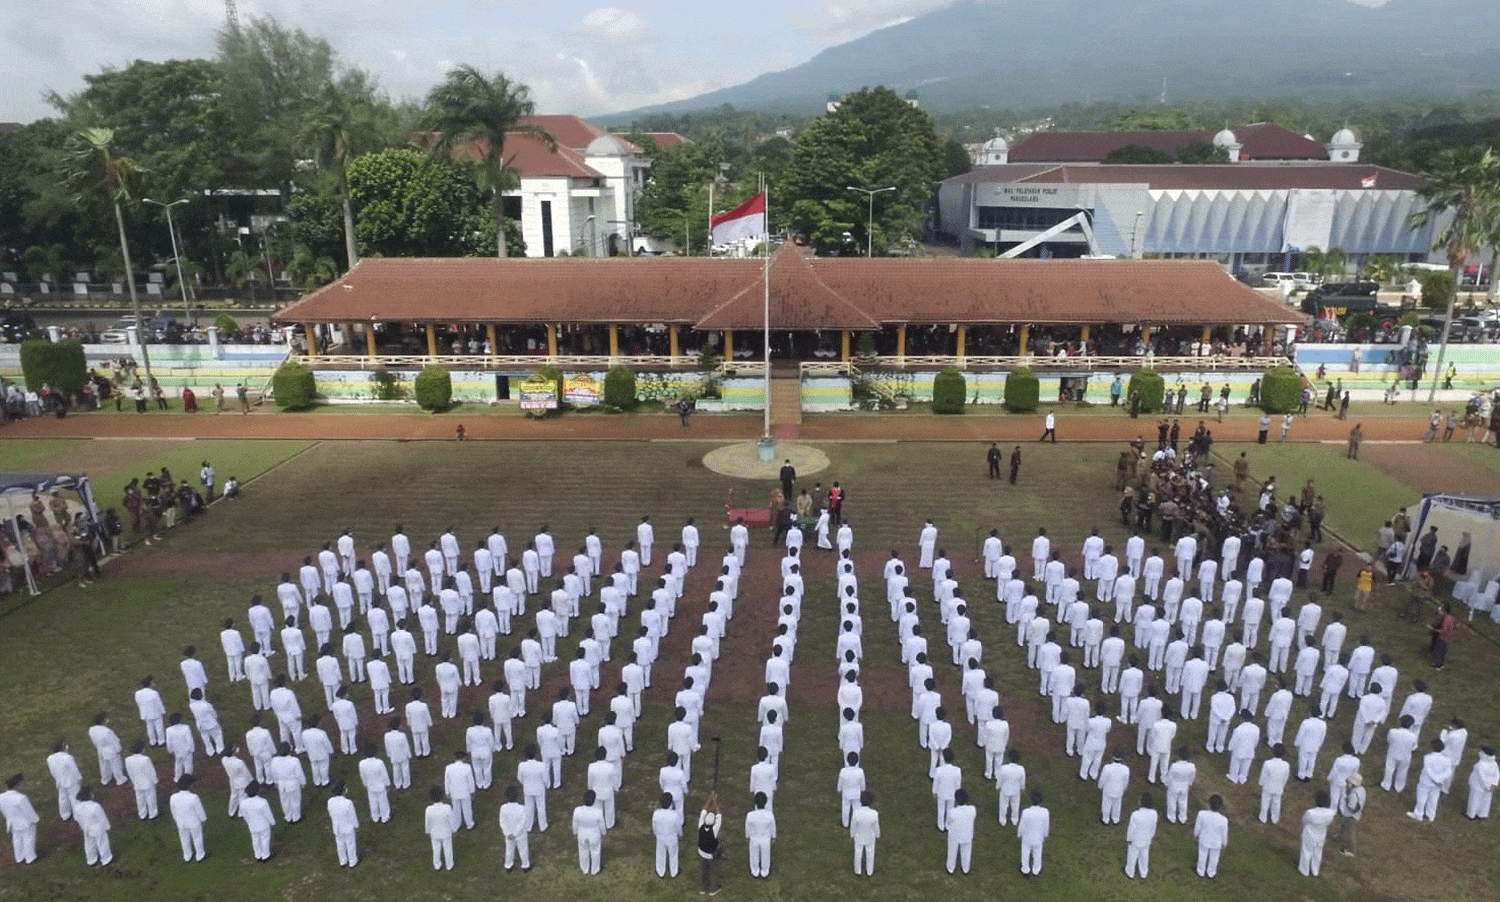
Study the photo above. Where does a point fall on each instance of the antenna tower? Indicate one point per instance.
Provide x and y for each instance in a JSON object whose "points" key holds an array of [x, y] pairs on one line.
{"points": [[231, 16]]}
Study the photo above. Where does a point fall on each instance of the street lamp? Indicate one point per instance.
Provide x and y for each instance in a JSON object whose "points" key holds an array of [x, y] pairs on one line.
{"points": [[870, 222], [176, 255]]}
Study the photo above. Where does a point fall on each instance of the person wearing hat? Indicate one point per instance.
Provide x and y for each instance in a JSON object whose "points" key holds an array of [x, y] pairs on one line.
{"points": [[20, 820], [188, 814], [94, 822], [1315, 823], [1483, 779], [1351, 807]]}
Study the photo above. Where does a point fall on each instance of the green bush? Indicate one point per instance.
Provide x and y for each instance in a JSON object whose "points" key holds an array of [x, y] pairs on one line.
{"points": [[1022, 390], [1150, 386], [1281, 390], [619, 388], [294, 386], [434, 388], [226, 325], [949, 391], [1437, 289], [387, 386], [60, 365]]}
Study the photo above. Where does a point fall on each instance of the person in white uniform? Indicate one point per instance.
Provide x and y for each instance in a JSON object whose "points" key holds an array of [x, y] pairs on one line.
{"points": [[864, 829], [1139, 833], [189, 816], [1032, 828], [20, 820]]}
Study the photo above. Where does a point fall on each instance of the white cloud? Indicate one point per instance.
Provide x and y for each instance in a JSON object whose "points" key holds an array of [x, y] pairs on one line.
{"points": [[840, 20], [611, 23]]}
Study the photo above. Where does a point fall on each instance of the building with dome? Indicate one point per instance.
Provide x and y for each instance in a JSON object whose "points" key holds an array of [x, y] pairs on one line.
{"points": [[1276, 195], [578, 198]]}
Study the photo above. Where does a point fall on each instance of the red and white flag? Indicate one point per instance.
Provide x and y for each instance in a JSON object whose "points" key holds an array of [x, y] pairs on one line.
{"points": [[1368, 181], [748, 220]]}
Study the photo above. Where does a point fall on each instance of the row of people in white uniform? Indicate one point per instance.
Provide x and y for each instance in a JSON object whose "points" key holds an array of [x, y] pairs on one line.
{"points": [[285, 771], [1088, 735]]}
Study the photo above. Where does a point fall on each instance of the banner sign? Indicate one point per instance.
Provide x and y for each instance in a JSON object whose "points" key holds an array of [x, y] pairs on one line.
{"points": [[538, 393], [583, 390]]}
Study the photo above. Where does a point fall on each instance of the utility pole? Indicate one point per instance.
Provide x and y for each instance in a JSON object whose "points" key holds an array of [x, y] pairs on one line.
{"points": [[231, 16], [870, 222]]}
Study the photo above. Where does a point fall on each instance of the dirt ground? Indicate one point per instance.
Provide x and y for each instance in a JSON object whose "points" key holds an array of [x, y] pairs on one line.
{"points": [[1427, 468], [985, 426]]}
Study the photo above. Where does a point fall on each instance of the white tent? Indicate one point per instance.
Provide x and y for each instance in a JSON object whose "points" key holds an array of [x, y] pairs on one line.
{"points": [[29, 483], [1456, 516]]}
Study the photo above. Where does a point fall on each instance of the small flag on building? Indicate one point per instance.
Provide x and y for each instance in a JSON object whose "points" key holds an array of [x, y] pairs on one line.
{"points": [[748, 220], [1368, 181]]}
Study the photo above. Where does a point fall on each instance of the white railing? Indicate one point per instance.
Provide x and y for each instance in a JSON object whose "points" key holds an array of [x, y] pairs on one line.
{"points": [[500, 361], [1041, 364]]}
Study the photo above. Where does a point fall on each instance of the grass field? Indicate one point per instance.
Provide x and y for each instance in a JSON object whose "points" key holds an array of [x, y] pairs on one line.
{"points": [[73, 652]]}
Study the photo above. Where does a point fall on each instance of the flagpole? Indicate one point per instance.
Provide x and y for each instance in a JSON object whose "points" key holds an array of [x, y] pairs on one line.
{"points": [[709, 250], [765, 239]]}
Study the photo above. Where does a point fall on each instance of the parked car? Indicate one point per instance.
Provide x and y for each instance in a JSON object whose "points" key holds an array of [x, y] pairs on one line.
{"points": [[1278, 280]]}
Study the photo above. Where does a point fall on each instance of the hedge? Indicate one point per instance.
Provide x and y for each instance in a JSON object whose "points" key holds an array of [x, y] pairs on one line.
{"points": [[1022, 390], [1281, 390], [60, 365], [434, 388], [294, 386], [619, 388], [1150, 386], [949, 391]]}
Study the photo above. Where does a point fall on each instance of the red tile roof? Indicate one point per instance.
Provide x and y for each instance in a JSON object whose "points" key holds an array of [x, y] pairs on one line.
{"points": [[806, 293], [568, 131], [530, 156], [1178, 176], [1260, 141]]}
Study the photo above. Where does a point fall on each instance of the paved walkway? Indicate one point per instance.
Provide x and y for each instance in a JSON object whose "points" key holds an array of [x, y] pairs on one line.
{"points": [[858, 427]]}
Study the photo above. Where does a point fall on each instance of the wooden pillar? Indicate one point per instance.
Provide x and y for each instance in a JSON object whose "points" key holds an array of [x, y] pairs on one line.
{"points": [[675, 341], [311, 331], [728, 345], [844, 346], [370, 340], [1146, 336], [551, 340], [614, 340], [963, 335], [1025, 340], [489, 331], [1208, 332], [901, 342], [1268, 339], [1084, 335], [431, 340]]}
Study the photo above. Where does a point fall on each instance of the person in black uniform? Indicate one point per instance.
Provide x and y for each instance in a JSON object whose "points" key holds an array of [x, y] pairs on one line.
{"points": [[994, 460], [1015, 464], [788, 479]]}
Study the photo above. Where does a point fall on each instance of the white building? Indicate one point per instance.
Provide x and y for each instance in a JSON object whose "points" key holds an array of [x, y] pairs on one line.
{"points": [[578, 198]]}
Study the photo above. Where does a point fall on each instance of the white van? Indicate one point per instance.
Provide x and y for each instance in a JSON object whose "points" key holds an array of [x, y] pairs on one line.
{"points": [[1305, 281], [1283, 280]]}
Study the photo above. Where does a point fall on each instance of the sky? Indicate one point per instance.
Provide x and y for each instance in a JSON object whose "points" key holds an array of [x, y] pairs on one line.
{"points": [[585, 58]]}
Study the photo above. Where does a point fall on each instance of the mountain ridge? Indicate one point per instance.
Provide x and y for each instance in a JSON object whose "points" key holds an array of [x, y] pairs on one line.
{"points": [[1018, 55]]}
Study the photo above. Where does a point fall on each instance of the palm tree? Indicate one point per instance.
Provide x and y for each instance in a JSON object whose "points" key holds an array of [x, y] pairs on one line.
{"points": [[340, 125], [471, 115], [94, 167], [1466, 182], [1321, 263]]}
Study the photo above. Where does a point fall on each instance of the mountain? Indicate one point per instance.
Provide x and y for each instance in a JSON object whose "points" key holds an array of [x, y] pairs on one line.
{"points": [[1020, 54]]}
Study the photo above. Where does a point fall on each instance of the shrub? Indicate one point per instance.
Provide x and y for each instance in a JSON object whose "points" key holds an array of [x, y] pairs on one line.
{"points": [[865, 346], [434, 388], [949, 391], [294, 386], [1150, 386], [226, 325], [60, 365], [1281, 390], [1437, 289], [619, 388], [387, 386], [1022, 390]]}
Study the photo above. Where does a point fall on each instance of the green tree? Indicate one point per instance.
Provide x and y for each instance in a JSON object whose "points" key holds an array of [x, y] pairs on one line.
{"points": [[1465, 183], [1201, 152], [341, 124], [1136, 154], [472, 115], [96, 168], [411, 204], [673, 206], [1153, 121], [874, 139], [1383, 268], [1332, 262]]}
